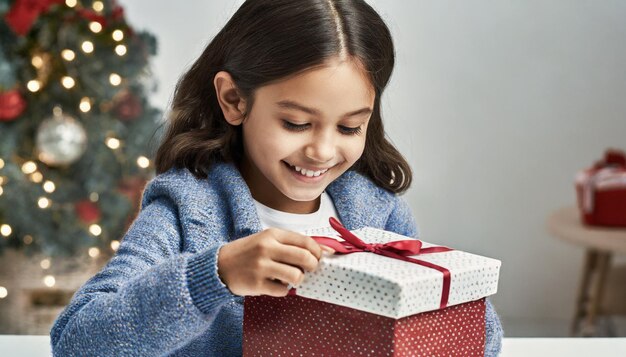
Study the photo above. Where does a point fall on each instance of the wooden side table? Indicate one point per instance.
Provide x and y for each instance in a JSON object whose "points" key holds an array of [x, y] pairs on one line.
{"points": [[600, 244]]}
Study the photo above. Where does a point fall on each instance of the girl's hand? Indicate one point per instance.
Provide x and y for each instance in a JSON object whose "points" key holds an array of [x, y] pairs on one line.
{"points": [[266, 262]]}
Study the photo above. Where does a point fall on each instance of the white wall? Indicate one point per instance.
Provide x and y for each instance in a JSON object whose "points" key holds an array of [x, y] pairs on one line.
{"points": [[496, 104]]}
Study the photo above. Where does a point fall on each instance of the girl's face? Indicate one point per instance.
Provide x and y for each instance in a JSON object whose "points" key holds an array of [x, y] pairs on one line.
{"points": [[304, 132]]}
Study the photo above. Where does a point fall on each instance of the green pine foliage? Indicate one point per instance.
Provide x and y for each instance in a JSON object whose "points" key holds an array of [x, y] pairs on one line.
{"points": [[102, 186]]}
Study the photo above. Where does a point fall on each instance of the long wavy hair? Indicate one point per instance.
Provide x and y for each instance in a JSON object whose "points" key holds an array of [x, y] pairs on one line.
{"points": [[269, 40]]}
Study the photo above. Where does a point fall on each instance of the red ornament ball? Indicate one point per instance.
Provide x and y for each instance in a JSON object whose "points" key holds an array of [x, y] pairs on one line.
{"points": [[87, 211], [12, 105], [127, 106]]}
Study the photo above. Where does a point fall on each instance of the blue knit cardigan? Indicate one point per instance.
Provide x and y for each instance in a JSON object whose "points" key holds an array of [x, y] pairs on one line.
{"points": [[161, 295]]}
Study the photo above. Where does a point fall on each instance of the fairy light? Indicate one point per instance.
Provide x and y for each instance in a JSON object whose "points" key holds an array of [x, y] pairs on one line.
{"points": [[85, 105], [6, 230], [113, 143], [87, 46], [95, 27], [36, 177], [1, 190], [49, 186], [94, 197], [1, 163], [98, 6], [115, 245], [28, 239], [117, 35], [45, 264], [68, 82], [115, 79], [143, 162], [94, 252], [49, 281], [120, 50], [68, 55], [70, 3], [29, 167], [43, 202], [37, 61], [3, 292], [95, 229], [33, 85]]}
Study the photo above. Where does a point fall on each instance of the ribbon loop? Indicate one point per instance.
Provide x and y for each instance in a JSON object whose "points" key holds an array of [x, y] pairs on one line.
{"points": [[400, 250]]}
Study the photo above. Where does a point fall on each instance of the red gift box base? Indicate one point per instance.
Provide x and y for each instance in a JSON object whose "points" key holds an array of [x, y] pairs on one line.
{"points": [[297, 326]]}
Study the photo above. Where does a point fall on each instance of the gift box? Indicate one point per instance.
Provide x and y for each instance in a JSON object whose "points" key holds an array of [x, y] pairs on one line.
{"points": [[601, 191], [395, 296]]}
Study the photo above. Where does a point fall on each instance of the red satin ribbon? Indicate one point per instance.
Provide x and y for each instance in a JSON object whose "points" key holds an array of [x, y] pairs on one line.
{"points": [[397, 250]]}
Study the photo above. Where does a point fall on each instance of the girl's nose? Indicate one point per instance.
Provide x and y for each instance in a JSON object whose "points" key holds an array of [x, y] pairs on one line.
{"points": [[322, 148]]}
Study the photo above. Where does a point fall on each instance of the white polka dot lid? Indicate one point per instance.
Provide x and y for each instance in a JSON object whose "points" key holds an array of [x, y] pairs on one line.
{"points": [[394, 288]]}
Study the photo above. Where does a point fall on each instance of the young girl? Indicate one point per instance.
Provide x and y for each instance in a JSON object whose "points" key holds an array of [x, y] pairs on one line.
{"points": [[276, 127]]}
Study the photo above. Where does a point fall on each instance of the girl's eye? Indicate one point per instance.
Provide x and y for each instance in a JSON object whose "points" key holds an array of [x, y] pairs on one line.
{"points": [[346, 130], [294, 127]]}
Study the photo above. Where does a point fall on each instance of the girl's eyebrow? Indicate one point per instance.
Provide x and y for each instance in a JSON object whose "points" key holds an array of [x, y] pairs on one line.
{"points": [[289, 104]]}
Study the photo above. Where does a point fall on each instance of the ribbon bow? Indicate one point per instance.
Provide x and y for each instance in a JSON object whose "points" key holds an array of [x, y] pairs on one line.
{"points": [[398, 250]]}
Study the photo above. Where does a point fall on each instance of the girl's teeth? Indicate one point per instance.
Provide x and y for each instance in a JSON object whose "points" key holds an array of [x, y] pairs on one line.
{"points": [[309, 173]]}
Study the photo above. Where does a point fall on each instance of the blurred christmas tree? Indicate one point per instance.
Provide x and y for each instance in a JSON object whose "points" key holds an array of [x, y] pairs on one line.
{"points": [[75, 125]]}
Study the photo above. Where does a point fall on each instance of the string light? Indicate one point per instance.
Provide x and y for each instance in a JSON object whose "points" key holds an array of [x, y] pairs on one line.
{"points": [[36, 177], [115, 79], [113, 143], [1, 190], [68, 55], [117, 35], [98, 6], [1, 163], [49, 186], [94, 252], [3, 292], [6, 230], [94, 197], [37, 61], [115, 245], [95, 229], [120, 50], [70, 3], [28, 239], [33, 85], [43, 203], [68, 82], [45, 264], [87, 46], [49, 281], [85, 105], [1, 180], [143, 162], [29, 167], [95, 26]]}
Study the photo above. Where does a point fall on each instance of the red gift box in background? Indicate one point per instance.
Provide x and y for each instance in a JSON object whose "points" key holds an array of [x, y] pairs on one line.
{"points": [[306, 327], [601, 191]]}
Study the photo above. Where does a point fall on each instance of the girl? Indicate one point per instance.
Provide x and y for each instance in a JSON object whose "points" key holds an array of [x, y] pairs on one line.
{"points": [[276, 127]]}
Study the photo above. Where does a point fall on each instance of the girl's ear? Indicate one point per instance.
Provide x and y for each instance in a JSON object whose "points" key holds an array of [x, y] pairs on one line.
{"points": [[228, 96]]}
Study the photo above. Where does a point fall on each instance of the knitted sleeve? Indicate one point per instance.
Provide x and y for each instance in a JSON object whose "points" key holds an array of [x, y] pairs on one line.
{"points": [[140, 303], [402, 222]]}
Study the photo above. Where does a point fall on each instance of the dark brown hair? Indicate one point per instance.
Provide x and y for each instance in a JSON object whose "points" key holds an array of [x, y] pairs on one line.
{"points": [[269, 40]]}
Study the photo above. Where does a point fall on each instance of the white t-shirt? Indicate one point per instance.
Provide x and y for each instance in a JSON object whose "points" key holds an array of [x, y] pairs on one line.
{"points": [[298, 222]]}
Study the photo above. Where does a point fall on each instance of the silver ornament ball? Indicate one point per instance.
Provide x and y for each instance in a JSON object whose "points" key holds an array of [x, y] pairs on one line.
{"points": [[61, 140]]}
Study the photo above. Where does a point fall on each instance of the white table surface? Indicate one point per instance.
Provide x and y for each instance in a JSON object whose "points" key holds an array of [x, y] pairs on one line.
{"points": [[35, 346]]}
